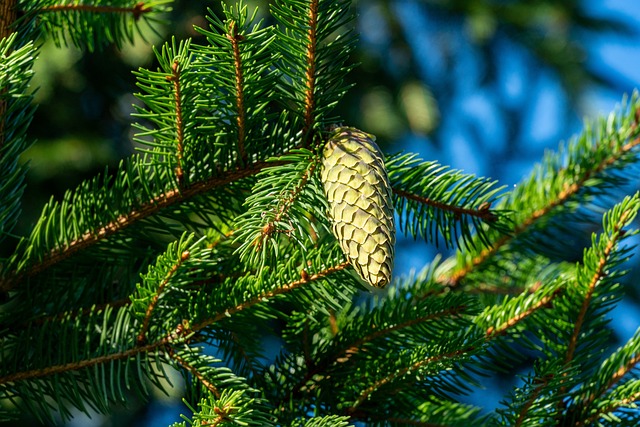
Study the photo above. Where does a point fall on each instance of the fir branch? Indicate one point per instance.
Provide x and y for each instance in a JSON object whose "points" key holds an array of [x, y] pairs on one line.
{"points": [[178, 335], [285, 203], [533, 396], [270, 294], [608, 380], [85, 363], [623, 370], [312, 58], [175, 79], [97, 24], [599, 262], [141, 339], [310, 75], [596, 277], [162, 201], [283, 196], [608, 154], [610, 408], [410, 422], [194, 371], [442, 204], [345, 353], [453, 311], [235, 40], [544, 302], [138, 10], [483, 212], [16, 112], [364, 395]]}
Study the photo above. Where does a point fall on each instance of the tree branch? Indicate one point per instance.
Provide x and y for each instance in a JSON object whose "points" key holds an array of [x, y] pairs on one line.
{"points": [[235, 40], [510, 323], [597, 276], [532, 398], [194, 371], [152, 207], [178, 335], [309, 100], [175, 79], [137, 10], [401, 372], [483, 212], [142, 336], [569, 190]]}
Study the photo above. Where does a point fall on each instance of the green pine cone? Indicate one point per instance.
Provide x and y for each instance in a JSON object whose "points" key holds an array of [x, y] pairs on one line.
{"points": [[359, 195]]}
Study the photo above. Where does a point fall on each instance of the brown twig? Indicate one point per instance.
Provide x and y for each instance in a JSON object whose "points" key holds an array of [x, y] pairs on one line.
{"points": [[235, 40], [483, 212], [310, 77], [8, 15], [175, 79]]}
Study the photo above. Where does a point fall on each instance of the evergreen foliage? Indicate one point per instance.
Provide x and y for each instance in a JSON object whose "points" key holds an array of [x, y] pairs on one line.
{"points": [[214, 238]]}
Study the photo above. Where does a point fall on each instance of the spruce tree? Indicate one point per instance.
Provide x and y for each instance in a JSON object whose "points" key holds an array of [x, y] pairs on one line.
{"points": [[235, 225]]}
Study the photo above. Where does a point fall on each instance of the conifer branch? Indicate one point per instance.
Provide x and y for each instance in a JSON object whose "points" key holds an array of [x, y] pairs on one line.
{"points": [[595, 279], [286, 202], [545, 302], [609, 409], [569, 190], [312, 45], [248, 360], [615, 378], [136, 11], [355, 347], [223, 415], [364, 395], [270, 294], [623, 371], [483, 212], [153, 206], [345, 354], [522, 416], [95, 308], [83, 364], [175, 79], [182, 331], [235, 40], [141, 339], [194, 371]]}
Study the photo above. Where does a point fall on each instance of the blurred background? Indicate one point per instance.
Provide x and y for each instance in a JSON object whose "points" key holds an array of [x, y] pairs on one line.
{"points": [[485, 86]]}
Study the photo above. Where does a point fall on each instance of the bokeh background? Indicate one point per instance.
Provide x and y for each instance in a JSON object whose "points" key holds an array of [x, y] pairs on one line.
{"points": [[485, 86]]}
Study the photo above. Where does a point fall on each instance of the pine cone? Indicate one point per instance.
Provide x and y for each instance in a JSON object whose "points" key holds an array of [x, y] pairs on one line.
{"points": [[359, 195]]}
